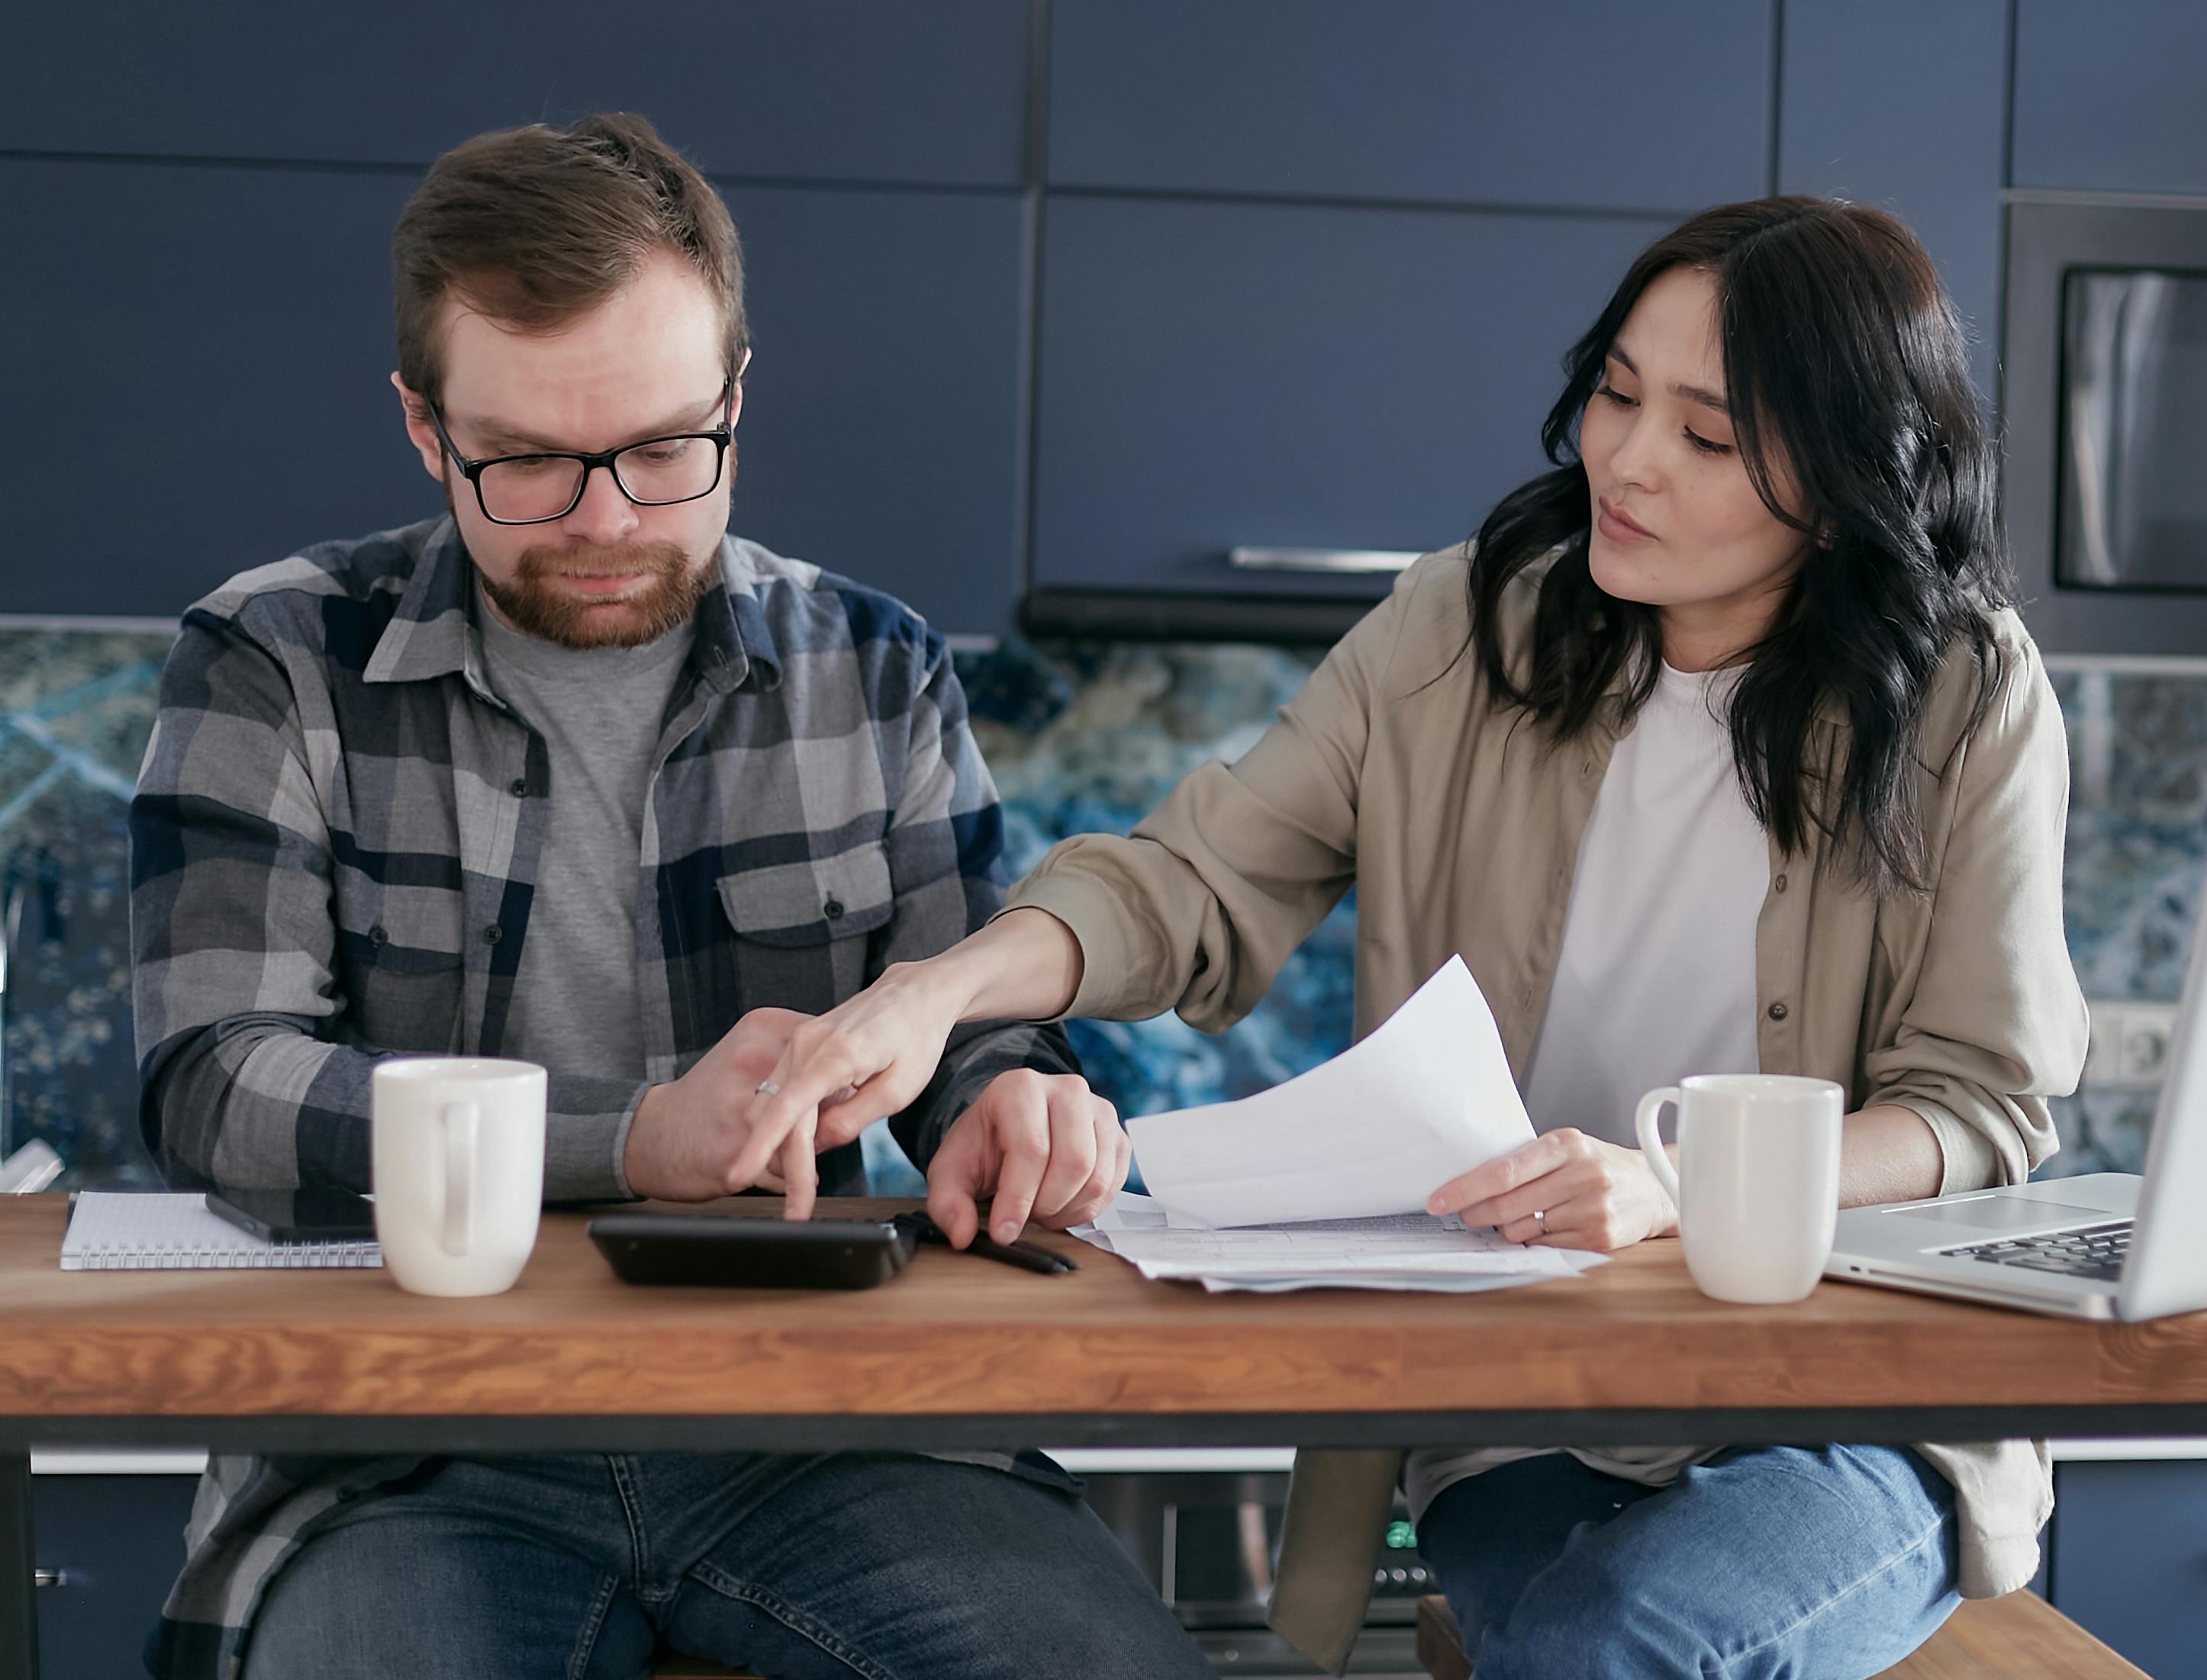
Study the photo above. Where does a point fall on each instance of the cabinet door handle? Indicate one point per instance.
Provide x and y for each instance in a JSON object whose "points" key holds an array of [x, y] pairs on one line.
{"points": [[50, 1578], [1321, 560]]}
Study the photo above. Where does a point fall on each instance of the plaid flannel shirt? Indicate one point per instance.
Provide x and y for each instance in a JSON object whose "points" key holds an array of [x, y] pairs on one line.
{"points": [[334, 841]]}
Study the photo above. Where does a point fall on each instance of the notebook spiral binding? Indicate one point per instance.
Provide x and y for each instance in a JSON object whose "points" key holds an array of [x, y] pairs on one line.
{"points": [[288, 1256]]}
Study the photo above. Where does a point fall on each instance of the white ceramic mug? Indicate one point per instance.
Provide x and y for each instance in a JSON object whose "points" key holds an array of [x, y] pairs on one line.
{"points": [[458, 1149], [1757, 1182]]}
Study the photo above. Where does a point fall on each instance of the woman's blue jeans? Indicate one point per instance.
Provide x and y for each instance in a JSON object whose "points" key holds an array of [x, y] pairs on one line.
{"points": [[1765, 1564]]}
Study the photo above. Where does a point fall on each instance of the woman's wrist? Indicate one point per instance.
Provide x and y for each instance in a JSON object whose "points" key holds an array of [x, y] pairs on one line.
{"points": [[1024, 966]]}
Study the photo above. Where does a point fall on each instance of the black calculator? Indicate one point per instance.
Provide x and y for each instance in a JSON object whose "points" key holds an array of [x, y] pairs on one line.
{"points": [[738, 1251]]}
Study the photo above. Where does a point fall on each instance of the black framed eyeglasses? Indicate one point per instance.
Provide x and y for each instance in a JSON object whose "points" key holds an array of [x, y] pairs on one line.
{"points": [[536, 488]]}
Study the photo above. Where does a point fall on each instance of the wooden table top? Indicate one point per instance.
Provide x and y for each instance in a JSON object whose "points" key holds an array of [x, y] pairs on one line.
{"points": [[957, 1334]]}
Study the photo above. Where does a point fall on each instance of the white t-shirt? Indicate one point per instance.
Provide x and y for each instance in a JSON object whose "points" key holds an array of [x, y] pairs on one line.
{"points": [[1656, 979], [1656, 976]]}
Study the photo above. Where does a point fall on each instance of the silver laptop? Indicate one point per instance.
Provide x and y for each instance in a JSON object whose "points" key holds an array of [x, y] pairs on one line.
{"points": [[2099, 1246]]}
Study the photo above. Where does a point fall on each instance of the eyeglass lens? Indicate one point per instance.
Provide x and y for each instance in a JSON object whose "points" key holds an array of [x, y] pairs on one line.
{"points": [[544, 487]]}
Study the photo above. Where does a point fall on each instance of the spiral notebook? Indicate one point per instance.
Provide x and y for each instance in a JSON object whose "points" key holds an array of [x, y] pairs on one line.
{"points": [[161, 1231]]}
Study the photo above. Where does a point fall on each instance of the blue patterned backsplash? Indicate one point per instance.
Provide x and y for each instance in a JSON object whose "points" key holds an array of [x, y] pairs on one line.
{"points": [[1081, 736]]}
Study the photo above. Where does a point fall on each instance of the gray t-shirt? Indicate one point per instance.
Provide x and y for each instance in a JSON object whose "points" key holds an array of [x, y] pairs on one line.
{"points": [[574, 1007]]}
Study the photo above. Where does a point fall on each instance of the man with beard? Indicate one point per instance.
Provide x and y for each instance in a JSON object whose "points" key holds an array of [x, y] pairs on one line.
{"points": [[573, 775]]}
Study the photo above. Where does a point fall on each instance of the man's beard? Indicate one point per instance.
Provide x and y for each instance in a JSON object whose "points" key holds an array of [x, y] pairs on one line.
{"points": [[537, 607]]}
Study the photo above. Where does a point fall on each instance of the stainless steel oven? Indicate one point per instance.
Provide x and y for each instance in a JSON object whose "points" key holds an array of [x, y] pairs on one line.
{"points": [[2104, 408], [1209, 1540]]}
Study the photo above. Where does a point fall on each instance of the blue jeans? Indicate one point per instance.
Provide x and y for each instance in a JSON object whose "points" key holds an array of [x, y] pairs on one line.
{"points": [[1765, 1564], [576, 1567]]}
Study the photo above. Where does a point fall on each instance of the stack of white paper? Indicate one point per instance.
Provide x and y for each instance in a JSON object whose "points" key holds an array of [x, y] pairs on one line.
{"points": [[1411, 1251], [1376, 1130], [1322, 1181]]}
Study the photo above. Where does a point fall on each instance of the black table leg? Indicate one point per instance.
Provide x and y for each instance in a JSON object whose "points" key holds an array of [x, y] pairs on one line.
{"points": [[19, 1607]]}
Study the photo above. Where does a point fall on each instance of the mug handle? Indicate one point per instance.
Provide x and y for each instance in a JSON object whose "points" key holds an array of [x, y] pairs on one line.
{"points": [[1651, 1140], [461, 1120]]}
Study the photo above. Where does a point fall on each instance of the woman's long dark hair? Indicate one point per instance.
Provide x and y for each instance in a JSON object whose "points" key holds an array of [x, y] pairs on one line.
{"points": [[1843, 359]]}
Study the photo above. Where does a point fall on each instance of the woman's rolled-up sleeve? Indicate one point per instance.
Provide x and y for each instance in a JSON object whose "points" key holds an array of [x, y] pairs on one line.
{"points": [[1996, 1023], [1197, 909]]}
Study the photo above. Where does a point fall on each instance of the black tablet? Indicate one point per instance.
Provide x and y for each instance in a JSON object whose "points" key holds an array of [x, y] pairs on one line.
{"points": [[739, 1253]]}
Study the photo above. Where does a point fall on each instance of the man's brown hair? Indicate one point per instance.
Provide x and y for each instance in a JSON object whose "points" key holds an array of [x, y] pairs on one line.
{"points": [[534, 225]]}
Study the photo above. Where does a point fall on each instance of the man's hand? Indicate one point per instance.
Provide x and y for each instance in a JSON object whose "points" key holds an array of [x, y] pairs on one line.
{"points": [[1043, 1143], [1565, 1189], [685, 1141]]}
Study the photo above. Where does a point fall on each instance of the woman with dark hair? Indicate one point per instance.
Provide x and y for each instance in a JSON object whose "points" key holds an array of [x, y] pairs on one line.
{"points": [[1721, 750]]}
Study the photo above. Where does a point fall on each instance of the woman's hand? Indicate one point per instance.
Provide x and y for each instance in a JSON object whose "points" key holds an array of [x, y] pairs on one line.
{"points": [[1564, 1189], [837, 1074], [873, 1054]]}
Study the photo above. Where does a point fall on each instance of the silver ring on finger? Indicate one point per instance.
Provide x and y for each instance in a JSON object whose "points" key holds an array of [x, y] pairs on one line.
{"points": [[768, 1088]]}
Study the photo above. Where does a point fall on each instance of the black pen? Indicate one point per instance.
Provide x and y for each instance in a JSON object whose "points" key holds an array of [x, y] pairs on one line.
{"points": [[1025, 1255], [1032, 1256]]}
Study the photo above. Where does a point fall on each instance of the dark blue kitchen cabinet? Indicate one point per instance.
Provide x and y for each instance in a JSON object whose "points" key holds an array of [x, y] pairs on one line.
{"points": [[1217, 374], [1647, 104], [2129, 1558], [116, 1542], [883, 415], [1900, 104], [199, 381], [199, 377], [864, 90], [2111, 98]]}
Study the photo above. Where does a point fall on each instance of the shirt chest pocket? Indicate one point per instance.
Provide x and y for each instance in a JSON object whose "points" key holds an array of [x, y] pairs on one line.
{"points": [[809, 903], [801, 927], [401, 957]]}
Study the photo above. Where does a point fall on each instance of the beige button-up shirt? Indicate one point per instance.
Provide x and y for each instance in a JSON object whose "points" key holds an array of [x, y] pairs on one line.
{"points": [[1459, 826]]}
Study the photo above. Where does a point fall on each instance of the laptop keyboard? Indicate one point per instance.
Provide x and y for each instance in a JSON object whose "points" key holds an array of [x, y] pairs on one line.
{"points": [[2091, 1251]]}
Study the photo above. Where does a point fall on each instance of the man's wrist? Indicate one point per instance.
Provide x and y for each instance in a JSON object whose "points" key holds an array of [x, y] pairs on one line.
{"points": [[636, 1142]]}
